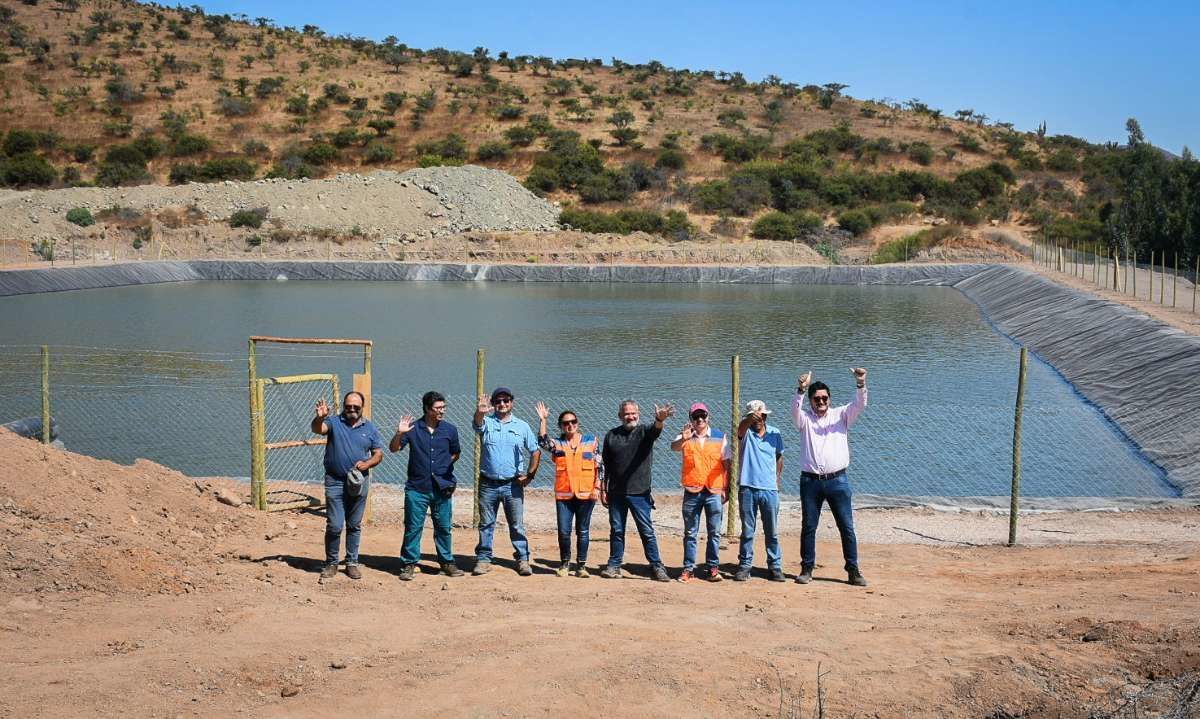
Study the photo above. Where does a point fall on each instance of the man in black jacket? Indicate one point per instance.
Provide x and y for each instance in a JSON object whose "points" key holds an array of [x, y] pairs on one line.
{"points": [[628, 454]]}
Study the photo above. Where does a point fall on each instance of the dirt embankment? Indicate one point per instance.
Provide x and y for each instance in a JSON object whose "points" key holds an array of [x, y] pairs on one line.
{"points": [[132, 591]]}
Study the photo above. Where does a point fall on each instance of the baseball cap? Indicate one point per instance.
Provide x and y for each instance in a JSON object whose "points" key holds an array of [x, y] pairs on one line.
{"points": [[698, 406], [757, 406], [500, 392]]}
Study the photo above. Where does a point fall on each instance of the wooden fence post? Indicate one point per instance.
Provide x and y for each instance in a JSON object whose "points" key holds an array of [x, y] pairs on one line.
{"points": [[480, 365], [257, 471], [1015, 493], [735, 375], [45, 394]]}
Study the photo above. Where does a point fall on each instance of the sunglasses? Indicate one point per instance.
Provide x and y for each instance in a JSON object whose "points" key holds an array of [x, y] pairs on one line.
{"points": [[568, 422], [353, 408], [820, 398], [436, 408], [700, 415], [502, 400]]}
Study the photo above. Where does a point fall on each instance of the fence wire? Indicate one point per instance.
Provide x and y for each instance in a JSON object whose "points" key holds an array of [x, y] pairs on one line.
{"points": [[190, 411]]}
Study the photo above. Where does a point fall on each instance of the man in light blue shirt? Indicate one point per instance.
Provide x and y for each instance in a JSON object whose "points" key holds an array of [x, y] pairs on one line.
{"points": [[760, 465], [503, 474]]}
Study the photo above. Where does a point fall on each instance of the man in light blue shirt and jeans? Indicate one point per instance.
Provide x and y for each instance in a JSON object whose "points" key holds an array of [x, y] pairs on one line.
{"points": [[503, 474], [760, 467]]}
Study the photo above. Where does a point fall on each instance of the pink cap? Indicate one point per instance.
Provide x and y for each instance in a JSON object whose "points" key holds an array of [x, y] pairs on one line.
{"points": [[698, 406]]}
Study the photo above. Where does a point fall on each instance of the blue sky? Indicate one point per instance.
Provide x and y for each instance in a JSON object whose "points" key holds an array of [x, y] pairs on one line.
{"points": [[1083, 67]]}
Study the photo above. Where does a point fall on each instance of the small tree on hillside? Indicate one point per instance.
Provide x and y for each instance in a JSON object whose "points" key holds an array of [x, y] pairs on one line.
{"points": [[623, 134]]}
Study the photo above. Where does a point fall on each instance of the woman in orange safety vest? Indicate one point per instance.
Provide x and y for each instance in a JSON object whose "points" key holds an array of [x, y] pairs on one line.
{"points": [[578, 479]]}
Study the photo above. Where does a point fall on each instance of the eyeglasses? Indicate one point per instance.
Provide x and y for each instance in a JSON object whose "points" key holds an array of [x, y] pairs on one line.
{"points": [[502, 400], [820, 398], [353, 408], [568, 422]]}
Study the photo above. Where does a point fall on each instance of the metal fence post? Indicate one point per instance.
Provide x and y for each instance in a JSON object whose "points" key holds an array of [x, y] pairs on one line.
{"points": [[735, 376], [480, 365], [1016, 450], [45, 394]]}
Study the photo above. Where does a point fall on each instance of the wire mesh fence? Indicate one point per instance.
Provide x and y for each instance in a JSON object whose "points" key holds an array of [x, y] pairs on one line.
{"points": [[1162, 278], [190, 411]]}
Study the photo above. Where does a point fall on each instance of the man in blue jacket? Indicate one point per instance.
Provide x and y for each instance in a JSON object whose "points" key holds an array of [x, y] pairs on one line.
{"points": [[434, 449], [351, 443]]}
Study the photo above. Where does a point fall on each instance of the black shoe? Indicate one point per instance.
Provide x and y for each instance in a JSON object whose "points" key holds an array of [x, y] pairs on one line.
{"points": [[805, 576], [450, 569], [855, 577], [742, 575], [777, 575], [407, 573], [660, 573]]}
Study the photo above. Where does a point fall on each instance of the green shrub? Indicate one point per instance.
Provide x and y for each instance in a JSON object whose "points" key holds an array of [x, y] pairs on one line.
{"points": [[904, 248], [268, 86], [187, 144], [346, 137], [542, 180], [377, 152], [439, 161], [115, 174], [248, 218], [292, 167], [670, 159], [520, 136], [509, 112], [451, 147], [82, 152], [226, 168], [920, 153], [27, 170], [673, 224], [856, 222], [19, 142], [320, 153], [80, 216], [969, 142], [1063, 161], [493, 151], [774, 226], [232, 106], [740, 195], [735, 149]]}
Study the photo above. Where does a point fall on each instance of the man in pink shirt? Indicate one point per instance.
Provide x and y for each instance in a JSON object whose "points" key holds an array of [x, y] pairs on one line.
{"points": [[824, 458]]}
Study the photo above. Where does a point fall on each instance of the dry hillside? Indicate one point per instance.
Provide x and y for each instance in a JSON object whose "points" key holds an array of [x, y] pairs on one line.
{"points": [[124, 93]]}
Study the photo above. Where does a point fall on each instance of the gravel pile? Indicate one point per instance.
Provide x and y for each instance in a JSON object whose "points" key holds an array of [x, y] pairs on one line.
{"points": [[418, 204]]}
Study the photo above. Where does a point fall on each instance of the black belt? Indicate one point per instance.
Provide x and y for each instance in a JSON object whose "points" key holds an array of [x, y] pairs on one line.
{"points": [[823, 477], [485, 478]]}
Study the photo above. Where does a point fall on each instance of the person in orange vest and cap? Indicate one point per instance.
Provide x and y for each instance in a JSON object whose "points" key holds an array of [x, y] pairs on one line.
{"points": [[706, 458], [578, 476]]}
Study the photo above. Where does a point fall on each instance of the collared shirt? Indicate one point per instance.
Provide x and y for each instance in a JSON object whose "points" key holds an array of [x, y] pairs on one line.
{"points": [[346, 444], [431, 457], [628, 455], [504, 446], [757, 459], [824, 448]]}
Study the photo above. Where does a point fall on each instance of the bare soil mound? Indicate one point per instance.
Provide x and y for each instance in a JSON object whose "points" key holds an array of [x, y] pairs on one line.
{"points": [[71, 522]]}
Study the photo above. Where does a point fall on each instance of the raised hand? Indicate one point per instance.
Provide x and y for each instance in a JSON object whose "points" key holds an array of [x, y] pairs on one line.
{"points": [[663, 412], [322, 409], [860, 374], [485, 404], [688, 431], [805, 380], [542, 410], [405, 424]]}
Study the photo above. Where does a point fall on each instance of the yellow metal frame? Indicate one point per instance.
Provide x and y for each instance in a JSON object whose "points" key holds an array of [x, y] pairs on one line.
{"points": [[259, 496]]}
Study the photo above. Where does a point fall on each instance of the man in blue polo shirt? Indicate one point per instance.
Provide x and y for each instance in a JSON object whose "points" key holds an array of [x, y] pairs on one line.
{"points": [[503, 474], [434, 449], [760, 466], [351, 442]]}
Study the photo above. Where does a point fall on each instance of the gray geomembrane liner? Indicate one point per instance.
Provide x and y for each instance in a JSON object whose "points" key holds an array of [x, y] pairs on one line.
{"points": [[1141, 373]]}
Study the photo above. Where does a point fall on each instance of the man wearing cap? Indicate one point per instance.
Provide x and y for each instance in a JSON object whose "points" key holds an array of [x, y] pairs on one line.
{"points": [[760, 467], [352, 444], [503, 474], [706, 458], [825, 457], [628, 453]]}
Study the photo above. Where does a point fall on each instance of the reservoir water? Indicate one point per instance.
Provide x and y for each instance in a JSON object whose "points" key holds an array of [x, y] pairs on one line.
{"points": [[942, 380]]}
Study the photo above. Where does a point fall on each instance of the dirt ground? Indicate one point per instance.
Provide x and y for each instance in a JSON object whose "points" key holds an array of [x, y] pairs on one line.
{"points": [[132, 591]]}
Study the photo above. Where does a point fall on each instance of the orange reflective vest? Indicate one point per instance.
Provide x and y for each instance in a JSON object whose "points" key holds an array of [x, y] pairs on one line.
{"points": [[575, 468], [704, 464]]}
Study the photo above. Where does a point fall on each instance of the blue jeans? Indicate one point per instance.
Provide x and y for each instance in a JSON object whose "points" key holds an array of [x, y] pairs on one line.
{"points": [[342, 512], [579, 512], [693, 504], [619, 508], [751, 503], [491, 496], [416, 506], [813, 492]]}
